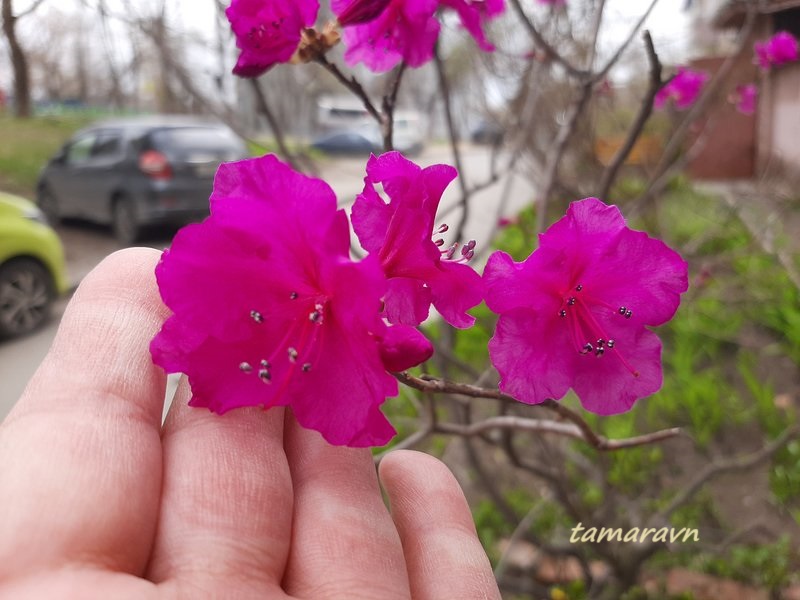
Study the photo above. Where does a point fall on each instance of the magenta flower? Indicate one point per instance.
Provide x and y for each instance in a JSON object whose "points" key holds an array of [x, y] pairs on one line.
{"points": [[356, 12], [269, 310], [473, 14], [406, 30], [268, 31], [780, 49], [683, 89], [744, 97], [419, 272], [575, 313]]}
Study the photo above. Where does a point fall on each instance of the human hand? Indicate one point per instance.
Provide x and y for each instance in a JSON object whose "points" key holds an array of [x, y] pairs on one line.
{"points": [[100, 501]]}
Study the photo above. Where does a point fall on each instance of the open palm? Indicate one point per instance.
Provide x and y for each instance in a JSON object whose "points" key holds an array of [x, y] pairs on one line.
{"points": [[100, 501]]}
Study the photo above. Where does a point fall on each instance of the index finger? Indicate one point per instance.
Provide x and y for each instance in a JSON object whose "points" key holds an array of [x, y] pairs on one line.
{"points": [[81, 450]]}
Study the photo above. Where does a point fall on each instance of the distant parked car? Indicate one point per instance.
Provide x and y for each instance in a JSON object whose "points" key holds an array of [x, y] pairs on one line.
{"points": [[135, 172], [346, 142], [487, 132], [32, 272]]}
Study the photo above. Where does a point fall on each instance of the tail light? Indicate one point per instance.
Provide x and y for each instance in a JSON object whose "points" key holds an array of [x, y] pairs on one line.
{"points": [[155, 165]]}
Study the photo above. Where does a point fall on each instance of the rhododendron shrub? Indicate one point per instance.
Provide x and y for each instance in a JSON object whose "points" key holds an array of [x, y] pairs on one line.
{"points": [[268, 32], [683, 89], [780, 49], [575, 313], [405, 30], [419, 271], [269, 309], [745, 97]]}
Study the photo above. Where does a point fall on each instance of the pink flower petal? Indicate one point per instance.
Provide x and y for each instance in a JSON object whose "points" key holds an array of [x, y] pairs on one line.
{"points": [[269, 310], [399, 234], [573, 314], [268, 32]]}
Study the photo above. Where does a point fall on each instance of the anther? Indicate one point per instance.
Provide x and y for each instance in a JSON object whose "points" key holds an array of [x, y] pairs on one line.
{"points": [[245, 367], [256, 316], [315, 316], [439, 242], [443, 228], [265, 363], [264, 375], [451, 252], [306, 367], [599, 352], [587, 348], [293, 295], [622, 310], [292, 352], [579, 288], [471, 244], [600, 343], [628, 314], [562, 313], [610, 344], [571, 301]]}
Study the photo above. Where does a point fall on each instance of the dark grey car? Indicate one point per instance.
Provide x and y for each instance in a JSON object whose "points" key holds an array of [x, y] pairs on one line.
{"points": [[136, 172]]}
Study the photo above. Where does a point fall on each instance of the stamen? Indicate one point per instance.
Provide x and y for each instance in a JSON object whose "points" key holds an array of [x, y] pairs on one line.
{"points": [[610, 344], [571, 301], [562, 313], [439, 242], [628, 314], [292, 353], [293, 295], [245, 367], [256, 316], [265, 376], [306, 367], [443, 228], [265, 364], [579, 288], [587, 347]]}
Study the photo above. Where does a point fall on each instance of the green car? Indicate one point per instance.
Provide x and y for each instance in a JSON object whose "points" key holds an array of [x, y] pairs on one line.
{"points": [[32, 271]]}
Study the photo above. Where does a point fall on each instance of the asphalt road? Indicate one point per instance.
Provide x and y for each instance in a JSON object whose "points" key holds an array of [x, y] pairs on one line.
{"points": [[86, 245]]}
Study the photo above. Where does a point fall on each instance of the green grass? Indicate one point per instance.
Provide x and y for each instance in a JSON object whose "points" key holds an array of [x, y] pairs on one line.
{"points": [[27, 145]]}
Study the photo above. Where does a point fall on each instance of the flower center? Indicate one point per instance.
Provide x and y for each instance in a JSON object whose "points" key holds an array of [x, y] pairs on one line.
{"points": [[467, 250], [588, 335], [299, 345]]}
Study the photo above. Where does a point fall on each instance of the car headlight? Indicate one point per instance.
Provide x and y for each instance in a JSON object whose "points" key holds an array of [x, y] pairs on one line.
{"points": [[34, 214]]}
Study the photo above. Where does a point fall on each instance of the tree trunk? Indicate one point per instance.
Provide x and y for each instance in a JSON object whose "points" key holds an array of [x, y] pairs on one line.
{"points": [[19, 64]]}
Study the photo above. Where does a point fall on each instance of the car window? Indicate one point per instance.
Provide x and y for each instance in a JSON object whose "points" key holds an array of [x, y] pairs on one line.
{"points": [[80, 150], [107, 145], [197, 138]]}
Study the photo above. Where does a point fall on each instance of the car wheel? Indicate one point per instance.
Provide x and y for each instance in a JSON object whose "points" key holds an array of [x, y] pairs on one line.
{"points": [[125, 222], [26, 296], [48, 204]]}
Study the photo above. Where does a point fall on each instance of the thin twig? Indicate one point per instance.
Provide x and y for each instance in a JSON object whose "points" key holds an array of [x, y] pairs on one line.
{"points": [[699, 107], [578, 427], [444, 88], [264, 109], [555, 155], [539, 40], [740, 463], [615, 57], [636, 128], [352, 84], [387, 108]]}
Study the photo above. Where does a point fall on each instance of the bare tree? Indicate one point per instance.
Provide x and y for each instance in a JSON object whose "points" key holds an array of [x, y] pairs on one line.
{"points": [[19, 60]]}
